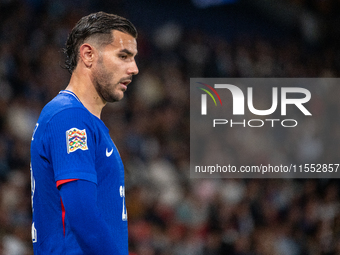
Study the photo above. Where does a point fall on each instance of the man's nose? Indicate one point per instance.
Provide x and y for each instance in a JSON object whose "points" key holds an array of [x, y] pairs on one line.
{"points": [[133, 69]]}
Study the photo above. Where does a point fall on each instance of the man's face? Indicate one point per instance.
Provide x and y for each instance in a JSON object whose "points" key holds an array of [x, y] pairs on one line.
{"points": [[115, 67]]}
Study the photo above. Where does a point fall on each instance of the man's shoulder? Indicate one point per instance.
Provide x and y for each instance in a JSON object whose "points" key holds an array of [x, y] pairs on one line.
{"points": [[62, 103]]}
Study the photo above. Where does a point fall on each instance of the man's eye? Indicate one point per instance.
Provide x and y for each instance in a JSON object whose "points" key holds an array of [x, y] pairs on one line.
{"points": [[123, 56]]}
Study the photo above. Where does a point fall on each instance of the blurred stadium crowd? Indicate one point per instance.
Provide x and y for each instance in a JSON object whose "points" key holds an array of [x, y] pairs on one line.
{"points": [[169, 213]]}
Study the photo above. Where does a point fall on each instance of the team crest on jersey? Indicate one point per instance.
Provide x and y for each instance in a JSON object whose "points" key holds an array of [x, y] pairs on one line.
{"points": [[76, 139]]}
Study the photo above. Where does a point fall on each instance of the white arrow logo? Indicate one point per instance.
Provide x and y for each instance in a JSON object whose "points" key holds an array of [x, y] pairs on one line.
{"points": [[108, 153]]}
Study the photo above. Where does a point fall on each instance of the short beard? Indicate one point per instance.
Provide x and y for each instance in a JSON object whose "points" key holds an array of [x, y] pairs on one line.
{"points": [[101, 81]]}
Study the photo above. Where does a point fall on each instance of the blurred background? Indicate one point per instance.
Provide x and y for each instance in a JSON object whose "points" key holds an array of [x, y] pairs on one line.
{"points": [[169, 213]]}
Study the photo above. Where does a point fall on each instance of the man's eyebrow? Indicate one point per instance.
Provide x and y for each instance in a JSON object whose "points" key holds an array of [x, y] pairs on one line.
{"points": [[128, 52]]}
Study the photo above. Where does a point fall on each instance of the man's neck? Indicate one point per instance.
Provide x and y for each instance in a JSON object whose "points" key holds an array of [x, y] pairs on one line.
{"points": [[82, 87]]}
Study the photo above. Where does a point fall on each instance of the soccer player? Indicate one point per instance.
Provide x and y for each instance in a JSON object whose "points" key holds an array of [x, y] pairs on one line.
{"points": [[78, 193]]}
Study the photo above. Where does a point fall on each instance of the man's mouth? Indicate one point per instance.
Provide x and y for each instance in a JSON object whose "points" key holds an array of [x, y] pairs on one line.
{"points": [[125, 82]]}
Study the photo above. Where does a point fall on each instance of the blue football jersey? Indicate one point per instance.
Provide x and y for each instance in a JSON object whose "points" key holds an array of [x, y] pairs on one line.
{"points": [[69, 142]]}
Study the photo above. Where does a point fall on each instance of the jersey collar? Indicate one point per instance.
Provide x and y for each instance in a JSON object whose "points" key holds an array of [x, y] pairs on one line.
{"points": [[69, 92]]}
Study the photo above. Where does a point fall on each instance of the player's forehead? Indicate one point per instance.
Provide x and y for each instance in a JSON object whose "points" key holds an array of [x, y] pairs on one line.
{"points": [[124, 41]]}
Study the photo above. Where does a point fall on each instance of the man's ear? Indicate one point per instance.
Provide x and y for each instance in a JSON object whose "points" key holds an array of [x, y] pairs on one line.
{"points": [[87, 54]]}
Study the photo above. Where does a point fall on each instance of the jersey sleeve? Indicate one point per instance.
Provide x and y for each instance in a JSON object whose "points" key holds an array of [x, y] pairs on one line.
{"points": [[85, 220], [70, 141]]}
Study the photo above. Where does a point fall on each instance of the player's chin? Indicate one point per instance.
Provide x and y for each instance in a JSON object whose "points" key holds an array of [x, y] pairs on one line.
{"points": [[116, 97], [120, 95]]}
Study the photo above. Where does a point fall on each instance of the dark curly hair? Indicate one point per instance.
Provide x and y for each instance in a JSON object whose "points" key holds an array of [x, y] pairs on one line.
{"points": [[99, 25]]}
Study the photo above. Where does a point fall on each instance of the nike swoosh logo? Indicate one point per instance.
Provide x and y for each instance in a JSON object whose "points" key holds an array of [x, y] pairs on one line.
{"points": [[108, 153]]}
